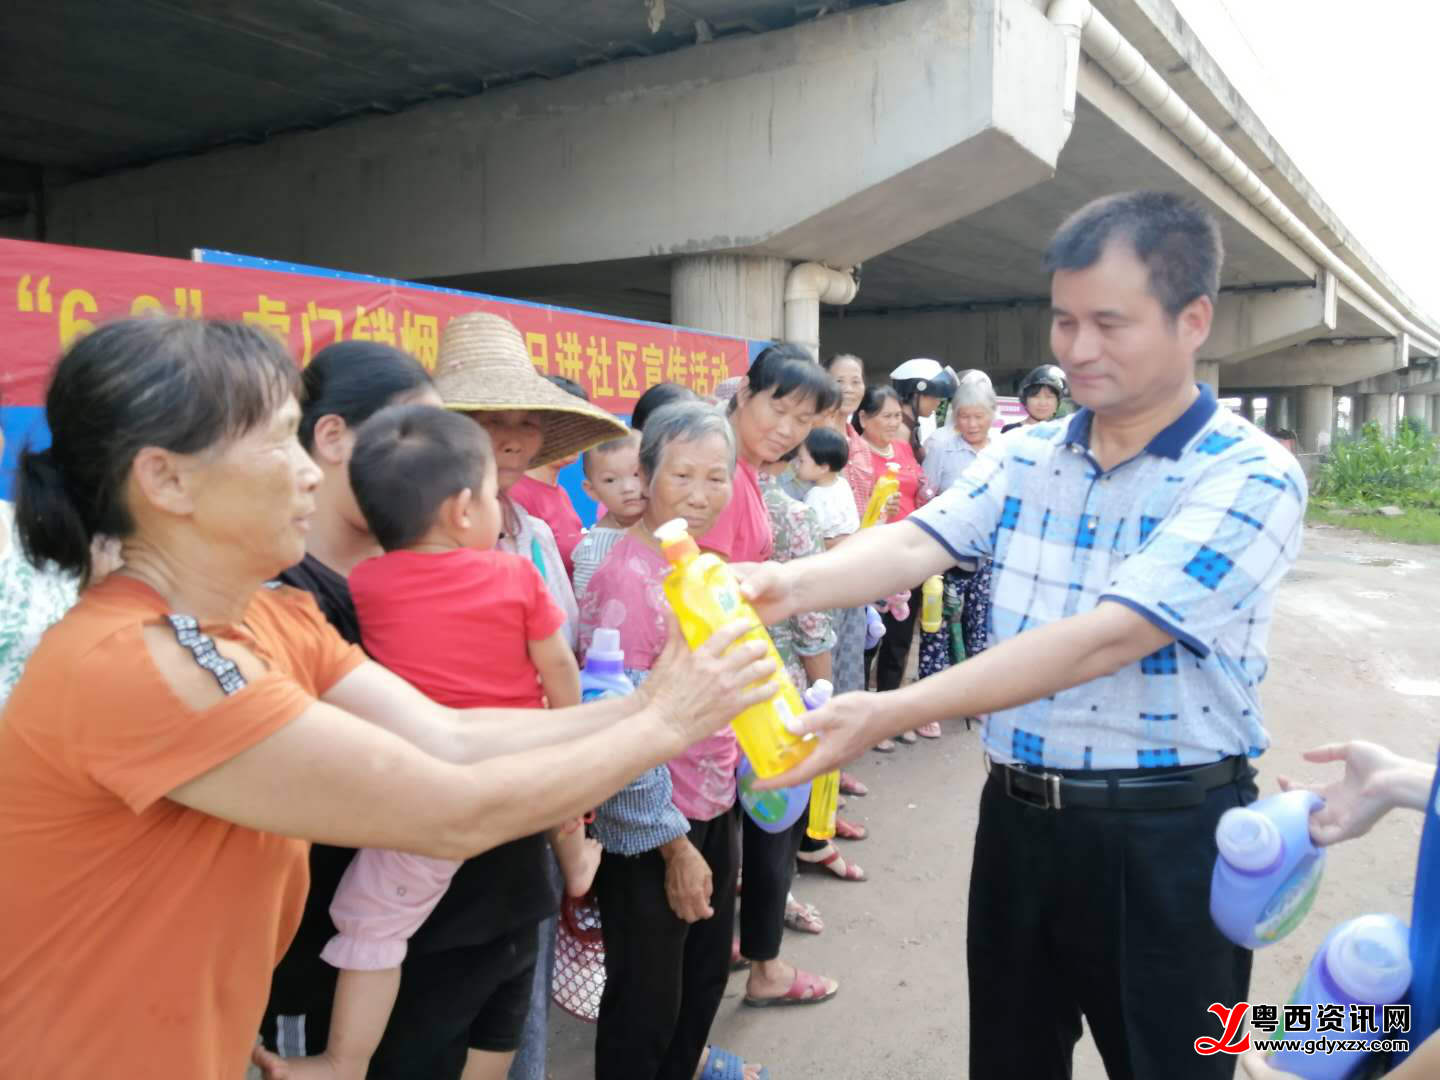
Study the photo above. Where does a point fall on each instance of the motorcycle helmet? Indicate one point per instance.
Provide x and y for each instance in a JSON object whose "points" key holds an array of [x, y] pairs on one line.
{"points": [[1045, 375]]}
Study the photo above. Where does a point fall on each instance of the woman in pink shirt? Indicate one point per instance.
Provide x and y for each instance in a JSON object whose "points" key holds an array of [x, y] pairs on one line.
{"points": [[879, 420], [777, 403], [666, 884]]}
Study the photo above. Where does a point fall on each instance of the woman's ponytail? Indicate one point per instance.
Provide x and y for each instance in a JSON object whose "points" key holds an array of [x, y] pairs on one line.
{"points": [[50, 525]]}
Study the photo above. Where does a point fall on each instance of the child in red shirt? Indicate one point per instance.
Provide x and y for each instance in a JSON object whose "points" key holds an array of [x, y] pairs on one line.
{"points": [[470, 627]]}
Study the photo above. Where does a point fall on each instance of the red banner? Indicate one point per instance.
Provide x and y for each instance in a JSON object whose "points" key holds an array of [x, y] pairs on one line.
{"points": [[49, 295]]}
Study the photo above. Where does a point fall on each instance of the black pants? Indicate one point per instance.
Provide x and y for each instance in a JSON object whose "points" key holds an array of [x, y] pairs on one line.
{"points": [[1105, 914], [890, 655], [769, 861], [664, 978]]}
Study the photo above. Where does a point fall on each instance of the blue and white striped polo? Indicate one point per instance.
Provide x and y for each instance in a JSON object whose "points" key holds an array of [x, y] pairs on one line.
{"points": [[1194, 533]]}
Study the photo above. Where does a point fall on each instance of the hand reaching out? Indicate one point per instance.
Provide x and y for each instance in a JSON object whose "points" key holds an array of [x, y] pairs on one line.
{"points": [[1360, 797]]}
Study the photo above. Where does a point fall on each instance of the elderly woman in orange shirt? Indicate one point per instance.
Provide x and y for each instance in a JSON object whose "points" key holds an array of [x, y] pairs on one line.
{"points": [[183, 729]]}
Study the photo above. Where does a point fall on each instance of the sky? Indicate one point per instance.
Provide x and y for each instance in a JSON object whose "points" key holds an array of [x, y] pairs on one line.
{"points": [[1349, 90]]}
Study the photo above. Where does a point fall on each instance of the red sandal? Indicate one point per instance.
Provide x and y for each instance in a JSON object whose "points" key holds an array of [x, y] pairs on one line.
{"points": [[848, 871], [848, 830], [849, 785]]}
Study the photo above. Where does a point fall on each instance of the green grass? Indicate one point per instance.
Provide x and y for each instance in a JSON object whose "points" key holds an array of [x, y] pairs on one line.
{"points": [[1414, 526]]}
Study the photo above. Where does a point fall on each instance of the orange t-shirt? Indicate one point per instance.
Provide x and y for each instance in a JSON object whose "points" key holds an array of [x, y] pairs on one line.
{"points": [[137, 936]]}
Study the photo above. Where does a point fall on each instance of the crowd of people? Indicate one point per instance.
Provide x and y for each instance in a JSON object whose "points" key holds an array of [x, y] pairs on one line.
{"points": [[294, 746]]}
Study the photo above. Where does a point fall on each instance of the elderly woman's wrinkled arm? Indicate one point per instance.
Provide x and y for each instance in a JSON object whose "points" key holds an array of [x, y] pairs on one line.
{"points": [[327, 778], [461, 736]]}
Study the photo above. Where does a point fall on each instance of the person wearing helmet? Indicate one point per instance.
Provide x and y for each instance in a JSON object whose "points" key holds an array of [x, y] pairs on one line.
{"points": [[922, 385], [1041, 392]]}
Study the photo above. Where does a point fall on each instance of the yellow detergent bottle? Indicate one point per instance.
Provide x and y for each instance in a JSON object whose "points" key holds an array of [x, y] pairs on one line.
{"points": [[705, 596], [886, 486], [932, 598], [825, 788]]}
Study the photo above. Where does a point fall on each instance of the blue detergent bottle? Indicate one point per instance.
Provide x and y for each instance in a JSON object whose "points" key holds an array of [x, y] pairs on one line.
{"points": [[1268, 870], [604, 672], [1365, 961]]}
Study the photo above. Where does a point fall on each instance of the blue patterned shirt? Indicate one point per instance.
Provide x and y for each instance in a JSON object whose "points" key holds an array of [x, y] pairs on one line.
{"points": [[641, 816], [1194, 533]]}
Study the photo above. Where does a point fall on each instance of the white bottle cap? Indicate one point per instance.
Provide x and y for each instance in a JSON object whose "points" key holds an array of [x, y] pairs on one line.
{"points": [[1248, 840], [672, 530], [605, 644], [894, 466], [1369, 958], [819, 693]]}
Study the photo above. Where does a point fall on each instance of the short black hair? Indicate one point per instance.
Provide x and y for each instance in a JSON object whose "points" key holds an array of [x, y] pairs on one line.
{"points": [[570, 386], [787, 369], [353, 380], [1176, 238], [657, 397], [828, 447], [183, 385], [408, 459]]}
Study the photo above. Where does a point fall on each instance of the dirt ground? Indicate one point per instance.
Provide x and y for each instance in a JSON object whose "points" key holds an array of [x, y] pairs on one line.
{"points": [[1355, 652]]}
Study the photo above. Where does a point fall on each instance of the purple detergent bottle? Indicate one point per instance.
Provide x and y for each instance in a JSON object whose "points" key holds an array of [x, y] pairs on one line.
{"points": [[1364, 962], [604, 672], [1268, 870]]}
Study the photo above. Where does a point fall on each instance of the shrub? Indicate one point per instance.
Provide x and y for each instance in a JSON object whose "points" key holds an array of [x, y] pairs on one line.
{"points": [[1370, 468]]}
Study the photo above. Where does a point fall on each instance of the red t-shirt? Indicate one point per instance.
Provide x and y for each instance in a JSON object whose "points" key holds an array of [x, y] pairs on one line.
{"points": [[551, 504], [911, 475], [742, 532], [457, 624]]}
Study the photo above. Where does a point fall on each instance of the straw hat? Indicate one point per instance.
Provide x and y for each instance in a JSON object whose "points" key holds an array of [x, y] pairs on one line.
{"points": [[484, 367]]}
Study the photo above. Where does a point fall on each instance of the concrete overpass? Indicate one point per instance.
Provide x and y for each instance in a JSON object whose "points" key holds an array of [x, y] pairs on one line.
{"points": [[733, 165]]}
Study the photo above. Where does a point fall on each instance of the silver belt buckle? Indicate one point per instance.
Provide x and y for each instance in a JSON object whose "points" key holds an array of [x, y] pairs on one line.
{"points": [[1050, 800]]}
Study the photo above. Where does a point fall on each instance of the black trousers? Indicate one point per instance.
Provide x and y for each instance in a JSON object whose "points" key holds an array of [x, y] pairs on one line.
{"points": [[769, 861], [890, 655], [664, 978], [1105, 914]]}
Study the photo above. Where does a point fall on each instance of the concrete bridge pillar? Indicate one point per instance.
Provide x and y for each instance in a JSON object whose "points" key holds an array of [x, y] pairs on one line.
{"points": [[743, 295], [1417, 407], [1380, 409], [1432, 416], [1316, 418]]}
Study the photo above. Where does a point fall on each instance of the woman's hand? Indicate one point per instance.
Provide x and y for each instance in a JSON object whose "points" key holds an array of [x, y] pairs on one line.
{"points": [[1369, 788], [688, 881], [699, 692], [845, 728], [769, 589], [892, 505]]}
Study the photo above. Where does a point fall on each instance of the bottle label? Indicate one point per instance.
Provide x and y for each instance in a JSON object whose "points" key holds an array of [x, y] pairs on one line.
{"points": [[597, 695], [728, 600], [1291, 901]]}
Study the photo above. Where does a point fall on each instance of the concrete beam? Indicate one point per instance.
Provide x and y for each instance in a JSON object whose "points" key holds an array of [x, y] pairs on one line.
{"points": [[1317, 365], [1424, 379], [995, 339], [1251, 324], [831, 141]]}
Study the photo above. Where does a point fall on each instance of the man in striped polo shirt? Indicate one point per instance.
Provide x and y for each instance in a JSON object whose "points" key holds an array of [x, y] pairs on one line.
{"points": [[1136, 546]]}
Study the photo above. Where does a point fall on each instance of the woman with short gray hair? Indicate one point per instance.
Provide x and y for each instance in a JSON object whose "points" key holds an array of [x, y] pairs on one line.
{"points": [[951, 450], [666, 885]]}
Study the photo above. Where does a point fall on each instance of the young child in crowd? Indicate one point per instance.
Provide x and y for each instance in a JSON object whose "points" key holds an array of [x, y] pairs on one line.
{"points": [[469, 626], [540, 493], [822, 457], [612, 478]]}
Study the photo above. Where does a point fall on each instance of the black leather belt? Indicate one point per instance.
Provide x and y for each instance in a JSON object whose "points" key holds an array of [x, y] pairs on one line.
{"points": [[1167, 789]]}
